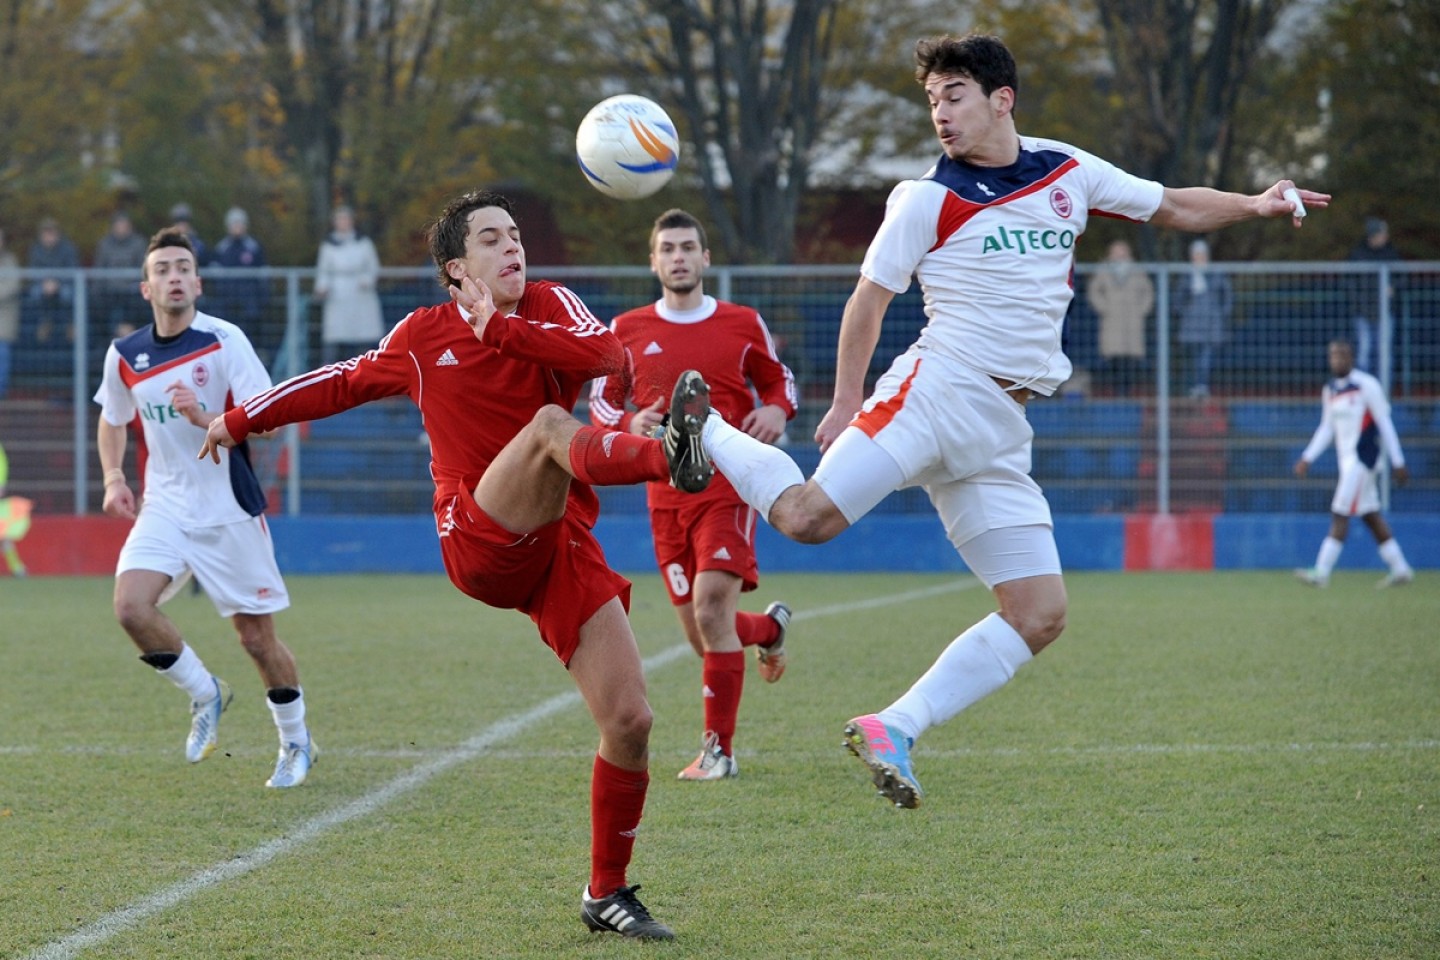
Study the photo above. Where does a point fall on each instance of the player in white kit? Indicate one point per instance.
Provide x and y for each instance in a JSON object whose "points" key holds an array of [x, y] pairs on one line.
{"points": [[175, 375], [1356, 416], [990, 232]]}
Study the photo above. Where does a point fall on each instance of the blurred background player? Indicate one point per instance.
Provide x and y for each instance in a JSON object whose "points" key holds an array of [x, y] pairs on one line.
{"points": [[705, 544], [175, 375], [495, 374], [1355, 414], [949, 414]]}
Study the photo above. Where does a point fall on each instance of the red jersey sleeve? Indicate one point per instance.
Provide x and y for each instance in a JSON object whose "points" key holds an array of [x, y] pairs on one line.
{"points": [[773, 380], [553, 328], [386, 371], [610, 395]]}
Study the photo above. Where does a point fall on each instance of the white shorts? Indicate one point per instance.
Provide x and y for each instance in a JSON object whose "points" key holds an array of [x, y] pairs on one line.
{"points": [[1356, 493], [1011, 553], [233, 562], [941, 425]]}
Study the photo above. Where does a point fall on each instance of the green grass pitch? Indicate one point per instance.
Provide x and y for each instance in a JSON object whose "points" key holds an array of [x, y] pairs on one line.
{"points": [[1217, 765]]}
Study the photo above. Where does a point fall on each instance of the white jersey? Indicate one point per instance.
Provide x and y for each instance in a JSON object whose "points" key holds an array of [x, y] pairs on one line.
{"points": [[993, 249], [1356, 415], [214, 359]]}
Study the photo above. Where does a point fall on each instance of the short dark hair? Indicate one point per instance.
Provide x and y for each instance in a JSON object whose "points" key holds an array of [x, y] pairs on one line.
{"points": [[983, 58], [1342, 344], [677, 219], [446, 235], [168, 237]]}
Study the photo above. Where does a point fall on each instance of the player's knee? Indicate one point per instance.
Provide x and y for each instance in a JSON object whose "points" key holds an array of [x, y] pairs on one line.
{"points": [[133, 614], [631, 725], [1041, 624], [714, 619], [805, 520]]}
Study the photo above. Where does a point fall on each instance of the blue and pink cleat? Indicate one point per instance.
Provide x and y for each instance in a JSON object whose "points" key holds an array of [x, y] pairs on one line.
{"points": [[887, 753]]}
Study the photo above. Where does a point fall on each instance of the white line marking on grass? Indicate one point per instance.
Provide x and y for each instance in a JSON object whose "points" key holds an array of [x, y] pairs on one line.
{"points": [[118, 921]]}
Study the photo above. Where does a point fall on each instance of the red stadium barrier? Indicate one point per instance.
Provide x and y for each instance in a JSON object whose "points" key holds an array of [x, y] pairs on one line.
{"points": [[67, 546], [1170, 542]]}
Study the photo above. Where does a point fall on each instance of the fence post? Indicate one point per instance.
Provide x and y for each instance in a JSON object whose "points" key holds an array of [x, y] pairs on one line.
{"points": [[80, 313], [1162, 393]]}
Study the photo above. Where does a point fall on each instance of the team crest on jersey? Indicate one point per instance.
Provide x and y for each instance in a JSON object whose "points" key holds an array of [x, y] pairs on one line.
{"points": [[200, 374], [1060, 202]]}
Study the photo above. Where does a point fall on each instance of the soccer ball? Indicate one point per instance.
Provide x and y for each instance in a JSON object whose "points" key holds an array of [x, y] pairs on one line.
{"points": [[627, 147]]}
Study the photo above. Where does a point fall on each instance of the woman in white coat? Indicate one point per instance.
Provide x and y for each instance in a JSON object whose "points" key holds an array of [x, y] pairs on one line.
{"points": [[345, 281]]}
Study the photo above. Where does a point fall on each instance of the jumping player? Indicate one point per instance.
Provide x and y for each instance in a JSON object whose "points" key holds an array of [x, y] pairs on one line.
{"points": [[495, 374], [176, 375], [1356, 416], [704, 545], [990, 232]]}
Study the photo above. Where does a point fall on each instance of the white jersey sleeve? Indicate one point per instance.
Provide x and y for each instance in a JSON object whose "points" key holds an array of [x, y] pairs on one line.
{"points": [[1379, 407], [906, 235], [1324, 433]]}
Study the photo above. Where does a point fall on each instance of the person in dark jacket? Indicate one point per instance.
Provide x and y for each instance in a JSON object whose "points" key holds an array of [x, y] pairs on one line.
{"points": [[1365, 293]]}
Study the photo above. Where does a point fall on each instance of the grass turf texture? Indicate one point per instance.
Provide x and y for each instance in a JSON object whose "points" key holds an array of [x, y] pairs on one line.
{"points": [[1206, 765]]}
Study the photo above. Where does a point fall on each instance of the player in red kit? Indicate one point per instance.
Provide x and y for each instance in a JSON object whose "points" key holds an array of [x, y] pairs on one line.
{"points": [[704, 545], [495, 373]]}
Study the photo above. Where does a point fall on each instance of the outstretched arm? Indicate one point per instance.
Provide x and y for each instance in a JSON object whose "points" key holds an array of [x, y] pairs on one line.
{"points": [[859, 333], [1201, 209]]}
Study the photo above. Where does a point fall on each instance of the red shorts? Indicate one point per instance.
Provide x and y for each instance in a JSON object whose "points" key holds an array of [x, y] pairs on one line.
{"points": [[708, 535], [556, 574]]}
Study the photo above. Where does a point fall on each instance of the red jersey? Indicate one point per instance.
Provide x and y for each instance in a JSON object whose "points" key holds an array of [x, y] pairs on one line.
{"points": [[730, 346], [473, 395]]}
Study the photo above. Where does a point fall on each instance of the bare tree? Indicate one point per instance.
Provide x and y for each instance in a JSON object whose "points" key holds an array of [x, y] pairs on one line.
{"points": [[1180, 67], [745, 76]]}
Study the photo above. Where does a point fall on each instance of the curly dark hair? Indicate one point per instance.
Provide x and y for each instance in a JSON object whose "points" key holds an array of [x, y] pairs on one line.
{"points": [[983, 58], [168, 237], [446, 236]]}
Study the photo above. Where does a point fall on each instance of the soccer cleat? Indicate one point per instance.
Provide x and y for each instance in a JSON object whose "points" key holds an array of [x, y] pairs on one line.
{"points": [[1393, 579], [622, 913], [205, 723], [887, 754], [293, 764], [712, 764], [772, 657], [690, 466], [1313, 577]]}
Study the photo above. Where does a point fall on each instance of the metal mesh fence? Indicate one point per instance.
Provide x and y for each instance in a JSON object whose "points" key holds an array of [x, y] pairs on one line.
{"points": [[1188, 424]]}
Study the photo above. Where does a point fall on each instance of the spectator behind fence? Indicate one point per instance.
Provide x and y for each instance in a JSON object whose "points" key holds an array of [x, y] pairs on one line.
{"points": [[1122, 295], [1203, 299], [114, 303], [182, 218], [241, 300], [9, 311], [1364, 295], [346, 275], [50, 296]]}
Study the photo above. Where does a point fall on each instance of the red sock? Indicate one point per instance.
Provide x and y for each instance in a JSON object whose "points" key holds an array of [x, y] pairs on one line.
{"points": [[617, 799], [607, 458], [724, 678], [756, 628]]}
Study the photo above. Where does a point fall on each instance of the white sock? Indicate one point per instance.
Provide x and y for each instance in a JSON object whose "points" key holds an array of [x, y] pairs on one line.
{"points": [[757, 471], [977, 663], [1329, 553], [1394, 558], [290, 720], [190, 675]]}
